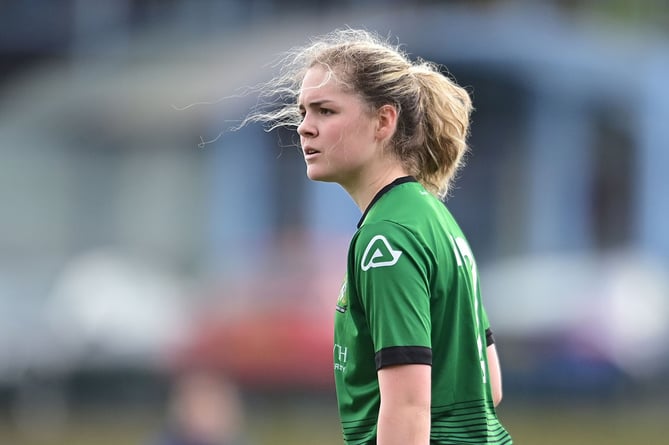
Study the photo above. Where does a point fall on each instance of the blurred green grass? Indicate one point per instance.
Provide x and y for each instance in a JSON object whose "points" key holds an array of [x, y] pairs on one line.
{"points": [[278, 422]]}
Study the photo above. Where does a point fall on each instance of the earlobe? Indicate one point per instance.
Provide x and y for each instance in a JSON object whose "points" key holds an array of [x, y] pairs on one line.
{"points": [[386, 122]]}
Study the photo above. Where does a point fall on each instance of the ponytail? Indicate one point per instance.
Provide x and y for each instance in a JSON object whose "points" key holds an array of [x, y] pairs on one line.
{"points": [[441, 142]]}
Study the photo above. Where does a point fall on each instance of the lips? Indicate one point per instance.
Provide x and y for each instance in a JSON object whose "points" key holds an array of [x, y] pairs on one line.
{"points": [[308, 151]]}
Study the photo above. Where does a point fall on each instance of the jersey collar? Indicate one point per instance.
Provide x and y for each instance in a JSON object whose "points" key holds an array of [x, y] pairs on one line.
{"points": [[383, 191]]}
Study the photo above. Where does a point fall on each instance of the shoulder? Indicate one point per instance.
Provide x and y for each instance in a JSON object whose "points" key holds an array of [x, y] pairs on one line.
{"points": [[382, 230], [385, 243]]}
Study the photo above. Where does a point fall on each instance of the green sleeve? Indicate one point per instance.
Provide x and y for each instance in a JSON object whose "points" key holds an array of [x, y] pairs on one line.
{"points": [[484, 316], [392, 277], [489, 337]]}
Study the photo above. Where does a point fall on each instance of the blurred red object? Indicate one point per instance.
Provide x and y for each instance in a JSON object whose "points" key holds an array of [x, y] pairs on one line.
{"points": [[271, 325], [264, 349]]}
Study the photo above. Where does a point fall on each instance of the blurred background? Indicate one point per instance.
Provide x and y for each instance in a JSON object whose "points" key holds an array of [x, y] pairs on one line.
{"points": [[164, 280]]}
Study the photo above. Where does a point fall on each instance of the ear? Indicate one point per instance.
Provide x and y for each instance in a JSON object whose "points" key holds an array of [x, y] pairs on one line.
{"points": [[386, 122]]}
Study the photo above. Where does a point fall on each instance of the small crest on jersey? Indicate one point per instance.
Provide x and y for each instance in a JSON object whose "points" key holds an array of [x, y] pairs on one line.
{"points": [[342, 300], [379, 253]]}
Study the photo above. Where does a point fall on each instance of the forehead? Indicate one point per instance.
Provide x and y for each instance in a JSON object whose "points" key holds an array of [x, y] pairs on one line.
{"points": [[319, 83]]}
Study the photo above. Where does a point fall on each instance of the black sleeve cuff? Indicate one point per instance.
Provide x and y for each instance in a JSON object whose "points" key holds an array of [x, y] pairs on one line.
{"points": [[403, 355], [489, 338]]}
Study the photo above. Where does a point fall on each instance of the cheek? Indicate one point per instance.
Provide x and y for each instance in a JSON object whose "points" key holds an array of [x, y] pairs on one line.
{"points": [[361, 135], [350, 137], [338, 137]]}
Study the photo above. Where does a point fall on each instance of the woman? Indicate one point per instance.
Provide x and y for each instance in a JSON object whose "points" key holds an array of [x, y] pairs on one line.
{"points": [[414, 358]]}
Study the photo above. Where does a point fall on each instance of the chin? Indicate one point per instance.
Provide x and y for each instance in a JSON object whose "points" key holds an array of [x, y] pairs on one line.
{"points": [[316, 174]]}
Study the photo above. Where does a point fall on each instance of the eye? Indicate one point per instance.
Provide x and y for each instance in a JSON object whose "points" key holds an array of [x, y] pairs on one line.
{"points": [[325, 111]]}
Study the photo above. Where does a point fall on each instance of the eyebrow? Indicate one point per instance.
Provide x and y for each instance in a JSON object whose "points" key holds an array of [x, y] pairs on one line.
{"points": [[315, 104]]}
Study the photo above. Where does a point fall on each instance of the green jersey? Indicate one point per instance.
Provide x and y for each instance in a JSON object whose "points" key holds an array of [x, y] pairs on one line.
{"points": [[411, 296]]}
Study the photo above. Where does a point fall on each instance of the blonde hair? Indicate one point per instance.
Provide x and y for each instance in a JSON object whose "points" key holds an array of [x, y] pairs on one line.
{"points": [[433, 111]]}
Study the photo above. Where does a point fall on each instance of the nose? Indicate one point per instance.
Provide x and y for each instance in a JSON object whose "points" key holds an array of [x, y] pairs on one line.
{"points": [[306, 128]]}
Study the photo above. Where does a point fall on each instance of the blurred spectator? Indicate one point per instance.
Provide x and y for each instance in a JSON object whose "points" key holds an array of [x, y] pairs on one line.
{"points": [[204, 409]]}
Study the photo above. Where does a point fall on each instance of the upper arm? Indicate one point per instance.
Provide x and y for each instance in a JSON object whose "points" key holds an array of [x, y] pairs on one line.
{"points": [[494, 373], [404, 415], [406, 384]]}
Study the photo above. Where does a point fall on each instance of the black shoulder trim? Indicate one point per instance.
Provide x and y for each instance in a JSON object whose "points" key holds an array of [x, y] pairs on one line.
{"points": [[489, 338], [403, 355], [383, 191]]}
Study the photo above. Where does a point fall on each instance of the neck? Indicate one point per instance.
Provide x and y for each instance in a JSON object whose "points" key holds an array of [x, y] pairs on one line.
{"points": [[365, 189]]}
